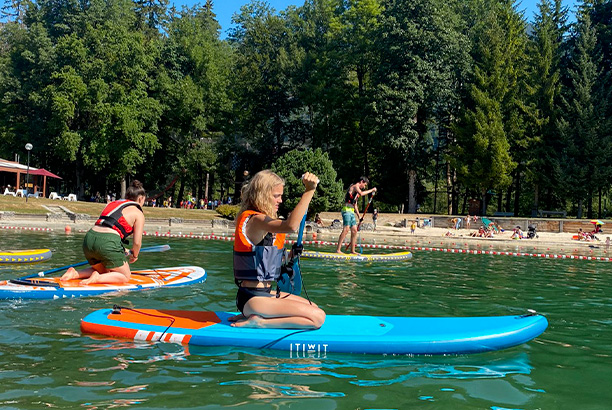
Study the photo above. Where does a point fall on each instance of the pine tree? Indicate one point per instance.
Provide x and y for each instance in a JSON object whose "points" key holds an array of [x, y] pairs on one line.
{"points": [[542, 161], [585, 153]]}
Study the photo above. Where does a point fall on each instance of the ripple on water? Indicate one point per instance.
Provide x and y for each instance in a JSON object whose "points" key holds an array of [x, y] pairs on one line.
{"points": [[45, 361]]}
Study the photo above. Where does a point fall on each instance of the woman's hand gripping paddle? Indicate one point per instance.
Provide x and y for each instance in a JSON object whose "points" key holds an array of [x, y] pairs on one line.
{"points": [[157, 248]]}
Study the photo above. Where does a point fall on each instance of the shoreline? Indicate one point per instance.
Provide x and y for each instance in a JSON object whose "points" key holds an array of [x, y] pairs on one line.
{"points": [[383, 236]]}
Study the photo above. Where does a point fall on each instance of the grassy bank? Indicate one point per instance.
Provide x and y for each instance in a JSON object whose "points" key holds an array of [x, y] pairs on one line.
{"points": [[35, 206]]}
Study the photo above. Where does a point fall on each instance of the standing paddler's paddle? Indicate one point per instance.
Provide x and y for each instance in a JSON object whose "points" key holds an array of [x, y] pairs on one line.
{"points": [[157, 248], [365, 211]]}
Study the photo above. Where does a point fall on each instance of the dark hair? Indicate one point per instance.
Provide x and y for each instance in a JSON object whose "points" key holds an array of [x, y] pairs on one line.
{"points": [[135, 190], [365, 179]]}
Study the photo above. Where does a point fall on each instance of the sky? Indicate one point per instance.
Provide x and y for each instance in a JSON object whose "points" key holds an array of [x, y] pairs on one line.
{"points": [[224, 9]]}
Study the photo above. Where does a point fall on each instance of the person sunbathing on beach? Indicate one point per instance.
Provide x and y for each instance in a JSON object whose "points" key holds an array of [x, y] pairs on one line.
{"points": [[517, 233]]}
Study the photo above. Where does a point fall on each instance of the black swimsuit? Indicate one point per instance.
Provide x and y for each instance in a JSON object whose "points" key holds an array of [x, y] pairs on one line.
{"points": [[245, 294]]}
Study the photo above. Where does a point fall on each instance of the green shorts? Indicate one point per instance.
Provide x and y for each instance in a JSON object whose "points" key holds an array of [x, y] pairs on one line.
{"points": [[348, 218], [104, 248]]}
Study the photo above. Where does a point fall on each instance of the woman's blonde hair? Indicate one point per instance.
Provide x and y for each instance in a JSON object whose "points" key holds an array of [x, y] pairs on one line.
{"points": [[255, 195]]}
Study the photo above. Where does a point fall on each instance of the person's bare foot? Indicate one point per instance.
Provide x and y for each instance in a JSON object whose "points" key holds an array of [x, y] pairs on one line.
{"points": [[70, 274], [339, 251], [236, 318], [251, 321], [95, 276]]}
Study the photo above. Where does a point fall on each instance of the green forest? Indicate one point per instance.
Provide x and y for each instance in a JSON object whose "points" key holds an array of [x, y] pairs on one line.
{"points": [[443, 104]]}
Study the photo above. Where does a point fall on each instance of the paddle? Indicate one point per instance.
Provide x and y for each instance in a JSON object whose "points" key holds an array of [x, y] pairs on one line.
{"points": [[157, 248], [291, 281], [365, 211]]}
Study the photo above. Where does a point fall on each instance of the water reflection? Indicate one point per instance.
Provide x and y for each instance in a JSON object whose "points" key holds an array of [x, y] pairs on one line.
{"points": [[45, 361], [113, 404], [268, 390]]}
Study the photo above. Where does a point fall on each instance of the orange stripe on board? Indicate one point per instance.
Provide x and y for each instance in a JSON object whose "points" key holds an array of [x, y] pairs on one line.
{"points": [[113, 331], [182, 318]]}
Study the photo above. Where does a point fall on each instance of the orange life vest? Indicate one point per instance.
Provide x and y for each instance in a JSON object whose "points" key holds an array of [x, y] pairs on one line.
{"points": [[261, 262]]}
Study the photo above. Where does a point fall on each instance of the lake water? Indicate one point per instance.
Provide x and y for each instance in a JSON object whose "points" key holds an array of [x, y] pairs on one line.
{"points": [[45, 362]]}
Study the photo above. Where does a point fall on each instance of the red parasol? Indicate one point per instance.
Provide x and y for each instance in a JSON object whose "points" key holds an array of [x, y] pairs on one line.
{"points": [[44, 173]]}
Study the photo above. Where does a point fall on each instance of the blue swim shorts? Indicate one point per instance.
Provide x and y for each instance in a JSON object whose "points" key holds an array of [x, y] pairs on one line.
{"points": [[348, 218]]}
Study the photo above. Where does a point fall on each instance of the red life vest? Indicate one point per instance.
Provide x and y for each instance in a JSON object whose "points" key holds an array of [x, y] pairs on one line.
{"points": [[261, 262], [112, 217], [351, 197]]}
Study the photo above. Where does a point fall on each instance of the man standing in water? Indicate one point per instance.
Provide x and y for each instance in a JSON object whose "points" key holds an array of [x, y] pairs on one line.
{"points": [[350, 212]]}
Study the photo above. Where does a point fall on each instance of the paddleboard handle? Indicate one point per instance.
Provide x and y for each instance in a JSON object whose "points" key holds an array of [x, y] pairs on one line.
{"points": [[116, 310], [530, 312]]}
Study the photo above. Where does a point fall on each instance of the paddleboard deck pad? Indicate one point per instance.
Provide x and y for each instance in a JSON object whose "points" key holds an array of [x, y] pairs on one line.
{"points": [[53, 288], [339, 334], [365, 257], [25, 256]]}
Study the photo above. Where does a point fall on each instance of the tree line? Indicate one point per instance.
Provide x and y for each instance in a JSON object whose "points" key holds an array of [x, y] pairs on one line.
{"points": [[446, 105]]}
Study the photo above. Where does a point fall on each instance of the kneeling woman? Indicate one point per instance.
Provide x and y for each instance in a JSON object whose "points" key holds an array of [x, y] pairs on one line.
{"points": [[258, 256]]}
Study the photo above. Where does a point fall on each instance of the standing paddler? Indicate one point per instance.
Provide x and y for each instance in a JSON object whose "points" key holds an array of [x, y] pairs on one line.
{"points": [[350, 212]]}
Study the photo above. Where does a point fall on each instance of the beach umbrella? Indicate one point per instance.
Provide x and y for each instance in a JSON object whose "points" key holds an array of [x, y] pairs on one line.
{"points": [[44, 173], [597, 222]]}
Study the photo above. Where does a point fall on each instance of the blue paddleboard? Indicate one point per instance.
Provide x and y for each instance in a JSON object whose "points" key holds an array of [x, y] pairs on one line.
{"points": [[339, 334]]}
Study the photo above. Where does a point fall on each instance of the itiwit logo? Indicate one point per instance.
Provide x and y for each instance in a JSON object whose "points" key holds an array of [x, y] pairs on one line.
{"points": [[308, 349]]}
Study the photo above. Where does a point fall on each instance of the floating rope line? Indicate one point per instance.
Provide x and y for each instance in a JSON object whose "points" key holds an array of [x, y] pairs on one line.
{"points": [[411, 248], [26, 228], [230, 238]]}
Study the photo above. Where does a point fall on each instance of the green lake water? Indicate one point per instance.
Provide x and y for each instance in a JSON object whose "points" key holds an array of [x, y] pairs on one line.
{"points": [[45, 362]]}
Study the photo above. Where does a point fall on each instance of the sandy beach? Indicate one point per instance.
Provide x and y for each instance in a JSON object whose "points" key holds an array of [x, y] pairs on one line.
{"points": [[385, 235]]}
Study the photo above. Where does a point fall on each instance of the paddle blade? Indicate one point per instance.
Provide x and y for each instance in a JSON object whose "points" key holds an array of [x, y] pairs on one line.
{"points": [[291, 283], [157, 248]]}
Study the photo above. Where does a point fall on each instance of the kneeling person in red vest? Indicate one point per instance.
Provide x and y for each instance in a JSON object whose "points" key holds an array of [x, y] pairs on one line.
{"points": [[103, 243]]}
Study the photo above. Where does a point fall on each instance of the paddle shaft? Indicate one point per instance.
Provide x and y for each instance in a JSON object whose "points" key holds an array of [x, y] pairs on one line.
{"points": [[365, 211], [299, 279], [301, 230], [157, 248]]}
